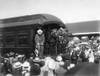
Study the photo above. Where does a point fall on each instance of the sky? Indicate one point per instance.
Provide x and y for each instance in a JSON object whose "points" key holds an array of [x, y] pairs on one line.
{"points": [[69, 11]]}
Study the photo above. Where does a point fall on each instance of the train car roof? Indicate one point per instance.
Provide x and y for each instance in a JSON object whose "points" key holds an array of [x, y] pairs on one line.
{"points": [[30, 19], [84, 27], [87, 33]]}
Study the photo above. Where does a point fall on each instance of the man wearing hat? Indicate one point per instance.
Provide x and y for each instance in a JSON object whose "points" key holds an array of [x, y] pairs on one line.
{"points": [[16, 68], [62, 39], [39, 40], [85, 40], [59, 68]]}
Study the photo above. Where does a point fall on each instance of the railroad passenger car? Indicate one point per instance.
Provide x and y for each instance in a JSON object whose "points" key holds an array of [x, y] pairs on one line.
{"points": [[17, 34]]}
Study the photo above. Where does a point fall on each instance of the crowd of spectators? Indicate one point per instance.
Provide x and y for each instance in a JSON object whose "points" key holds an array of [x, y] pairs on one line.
{"points": [[85, 47], [78, 50]]}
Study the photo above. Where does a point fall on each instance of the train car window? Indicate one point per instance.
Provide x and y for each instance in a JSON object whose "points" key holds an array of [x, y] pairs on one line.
{"points": [[22, 38], [1, 41], [9, 39]]}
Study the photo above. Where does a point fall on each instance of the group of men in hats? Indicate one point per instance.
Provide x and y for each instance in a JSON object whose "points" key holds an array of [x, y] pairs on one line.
{"points": [[56, 39], [84, 49]]}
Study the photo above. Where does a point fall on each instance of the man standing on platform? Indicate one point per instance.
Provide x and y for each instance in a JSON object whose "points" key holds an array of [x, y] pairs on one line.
{"points": [[39, 40], [62, 39]]}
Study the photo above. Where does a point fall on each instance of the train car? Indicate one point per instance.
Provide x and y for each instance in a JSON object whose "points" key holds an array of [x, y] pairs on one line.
{"points": [[17, 34], [89, 34], [86, 28]]}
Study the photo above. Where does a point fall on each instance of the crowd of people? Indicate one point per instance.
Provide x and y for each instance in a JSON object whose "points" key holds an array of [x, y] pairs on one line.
{"points": [[18, 65], [78, 50], [84, 49]]}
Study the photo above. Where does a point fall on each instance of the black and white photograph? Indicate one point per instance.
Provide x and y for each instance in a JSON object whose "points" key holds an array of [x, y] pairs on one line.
{"points": [[49, 37]]}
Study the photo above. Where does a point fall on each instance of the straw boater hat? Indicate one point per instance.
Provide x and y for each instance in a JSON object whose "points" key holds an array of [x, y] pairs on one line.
{"points": [[59, 58], [26, 64], [76, 39], [20, 56], [84, 38], [37, 59], [17, 65], [39, 31]]}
